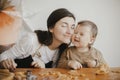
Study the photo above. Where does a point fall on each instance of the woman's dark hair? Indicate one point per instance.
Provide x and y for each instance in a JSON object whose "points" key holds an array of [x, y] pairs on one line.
{"points": [[45, 37], [56, 15]]}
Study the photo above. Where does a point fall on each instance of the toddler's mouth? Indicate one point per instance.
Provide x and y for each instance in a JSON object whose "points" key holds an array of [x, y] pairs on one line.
{"points": [[76, 40]]}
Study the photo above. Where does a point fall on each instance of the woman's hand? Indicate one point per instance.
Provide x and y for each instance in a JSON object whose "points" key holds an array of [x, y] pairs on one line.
{"points": [[74, 64], [8, 64], [38, 64]]}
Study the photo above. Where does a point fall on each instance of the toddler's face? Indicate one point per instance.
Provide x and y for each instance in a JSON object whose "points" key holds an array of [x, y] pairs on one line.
{"points": [[82, 36]]}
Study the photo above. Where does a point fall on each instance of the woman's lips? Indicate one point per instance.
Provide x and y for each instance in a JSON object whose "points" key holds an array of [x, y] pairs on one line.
{"points": [[68, 36]]}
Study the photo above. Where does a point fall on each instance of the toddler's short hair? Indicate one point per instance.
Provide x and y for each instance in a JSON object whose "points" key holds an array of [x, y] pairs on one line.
{"points": [[93, 26]]}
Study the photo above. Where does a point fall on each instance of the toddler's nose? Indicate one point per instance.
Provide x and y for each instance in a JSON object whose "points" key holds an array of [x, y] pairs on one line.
{"points": [[77, 36]]}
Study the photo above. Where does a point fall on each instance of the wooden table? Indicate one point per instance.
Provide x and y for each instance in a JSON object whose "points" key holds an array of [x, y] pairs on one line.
{"points": [[82, 74]]}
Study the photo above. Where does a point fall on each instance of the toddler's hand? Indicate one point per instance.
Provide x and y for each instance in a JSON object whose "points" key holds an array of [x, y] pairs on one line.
{"points": [[74, 64], [91, 63], [105, 68]]}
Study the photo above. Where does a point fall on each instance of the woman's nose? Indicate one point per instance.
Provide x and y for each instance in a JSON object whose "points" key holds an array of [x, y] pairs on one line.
{"points": [[70, 31]]}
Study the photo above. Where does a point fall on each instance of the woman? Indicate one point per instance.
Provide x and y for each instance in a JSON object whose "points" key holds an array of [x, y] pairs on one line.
{"points": [[44, 46]]}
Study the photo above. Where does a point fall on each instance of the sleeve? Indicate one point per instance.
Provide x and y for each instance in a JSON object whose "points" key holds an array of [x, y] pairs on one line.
{"points": [[101, 64], [64, 59], [21, 49], [101, 61]]}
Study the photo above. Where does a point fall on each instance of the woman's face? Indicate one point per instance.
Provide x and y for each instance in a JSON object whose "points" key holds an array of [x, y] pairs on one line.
{"points": [[63, 30]]}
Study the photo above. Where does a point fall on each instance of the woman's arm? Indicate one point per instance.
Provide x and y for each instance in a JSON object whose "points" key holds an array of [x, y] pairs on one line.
{"points": [[19, 50]]}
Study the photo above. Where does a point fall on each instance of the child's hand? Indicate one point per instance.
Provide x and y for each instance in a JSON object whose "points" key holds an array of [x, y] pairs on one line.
{"points": [[105, 68], [74, 64], [38, 64], [91, 63]]}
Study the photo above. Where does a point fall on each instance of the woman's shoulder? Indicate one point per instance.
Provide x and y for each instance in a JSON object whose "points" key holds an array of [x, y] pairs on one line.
{"points": [[31, 35]]}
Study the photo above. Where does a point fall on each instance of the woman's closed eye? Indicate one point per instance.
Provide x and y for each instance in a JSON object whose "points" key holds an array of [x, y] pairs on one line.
{"points": [[64, 25]]}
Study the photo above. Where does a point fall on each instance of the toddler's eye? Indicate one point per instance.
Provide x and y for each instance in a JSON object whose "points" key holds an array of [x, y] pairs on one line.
{"points": [[81, 34]]}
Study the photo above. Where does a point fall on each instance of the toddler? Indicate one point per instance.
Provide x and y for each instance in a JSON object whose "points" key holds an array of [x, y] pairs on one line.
{"points": [[83, 54]]}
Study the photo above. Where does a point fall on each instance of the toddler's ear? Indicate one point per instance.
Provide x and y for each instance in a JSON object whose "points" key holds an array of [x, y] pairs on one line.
{"points": [[92, 41]]}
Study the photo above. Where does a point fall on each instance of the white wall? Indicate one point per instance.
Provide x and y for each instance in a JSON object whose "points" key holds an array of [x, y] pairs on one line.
{"points": [[105, 13]]}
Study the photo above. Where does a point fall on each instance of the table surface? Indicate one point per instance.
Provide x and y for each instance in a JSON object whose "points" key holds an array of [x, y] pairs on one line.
{"points": [[65, 74]]}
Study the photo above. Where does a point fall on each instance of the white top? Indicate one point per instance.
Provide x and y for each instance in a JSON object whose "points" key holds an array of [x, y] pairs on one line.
{"points": [[29, 45]]}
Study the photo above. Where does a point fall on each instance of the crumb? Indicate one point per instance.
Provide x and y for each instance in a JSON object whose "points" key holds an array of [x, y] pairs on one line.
{"points": [[115, 71], [101, 72], [75, 73], [82, 75]]}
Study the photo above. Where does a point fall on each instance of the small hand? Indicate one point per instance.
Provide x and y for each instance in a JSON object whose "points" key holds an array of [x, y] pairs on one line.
{"points": [[74, 64], [91, 63]]}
